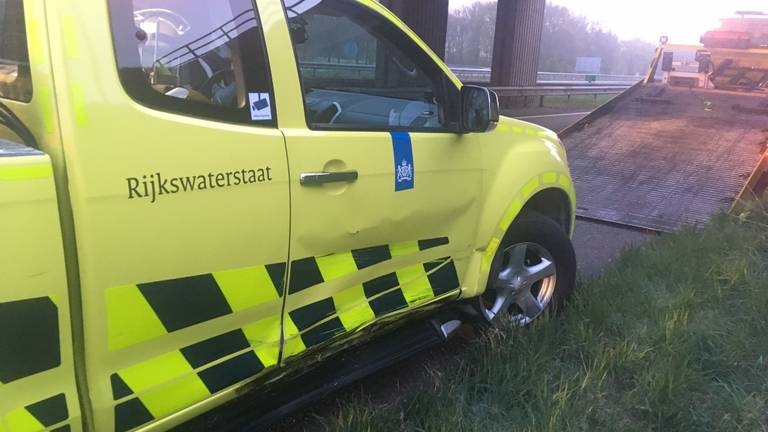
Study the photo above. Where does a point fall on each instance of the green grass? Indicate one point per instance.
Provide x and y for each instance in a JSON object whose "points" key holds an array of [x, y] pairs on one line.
{"points": [[674, 338]]}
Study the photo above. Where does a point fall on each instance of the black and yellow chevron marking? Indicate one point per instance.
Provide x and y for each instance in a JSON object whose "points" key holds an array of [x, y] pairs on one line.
{"points": [[166, 384], [321, 321], [29, 338], [137, 313], [307, 316], [181, 378], [40, 416], [142, 312]]}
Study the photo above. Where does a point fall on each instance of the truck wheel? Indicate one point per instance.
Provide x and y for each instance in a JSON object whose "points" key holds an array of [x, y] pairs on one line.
{"points": [[533, 270]]}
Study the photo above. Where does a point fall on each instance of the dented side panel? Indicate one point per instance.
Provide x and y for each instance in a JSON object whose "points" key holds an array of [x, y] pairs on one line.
{"points": [[358, 250], [399, 250], [520, 160]]}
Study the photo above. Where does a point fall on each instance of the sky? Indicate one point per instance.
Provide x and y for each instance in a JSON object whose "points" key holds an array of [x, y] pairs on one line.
{"points": [[684, 21]]}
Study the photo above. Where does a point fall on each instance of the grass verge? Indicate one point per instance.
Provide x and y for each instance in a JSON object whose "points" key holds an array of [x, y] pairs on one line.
{"points": [[675, 337]]}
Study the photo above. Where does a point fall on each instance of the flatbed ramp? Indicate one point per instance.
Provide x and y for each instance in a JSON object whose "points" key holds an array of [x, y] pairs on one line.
{"points": [[662, 158]]}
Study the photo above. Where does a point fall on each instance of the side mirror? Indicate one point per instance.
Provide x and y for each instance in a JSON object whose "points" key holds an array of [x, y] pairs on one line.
{"points": [[479, 109]]}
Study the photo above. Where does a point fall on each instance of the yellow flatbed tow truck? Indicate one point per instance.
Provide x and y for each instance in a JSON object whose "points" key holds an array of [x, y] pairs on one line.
{"points": [[194, 215]]}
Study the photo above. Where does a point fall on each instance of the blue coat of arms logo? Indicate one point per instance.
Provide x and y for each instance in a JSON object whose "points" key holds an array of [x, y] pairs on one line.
{"points": [[404, 166], [404, 172]]}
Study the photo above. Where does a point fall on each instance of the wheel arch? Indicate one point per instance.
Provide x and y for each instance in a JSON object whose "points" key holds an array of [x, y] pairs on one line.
{"points": [[553, 203], [550, 194]]}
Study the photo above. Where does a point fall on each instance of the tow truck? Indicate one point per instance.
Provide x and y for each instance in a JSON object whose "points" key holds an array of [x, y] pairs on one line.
{"points": [[687, 141]]}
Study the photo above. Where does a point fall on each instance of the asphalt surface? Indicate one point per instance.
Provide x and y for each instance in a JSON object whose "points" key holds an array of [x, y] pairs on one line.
{"points": [[599, 245]]}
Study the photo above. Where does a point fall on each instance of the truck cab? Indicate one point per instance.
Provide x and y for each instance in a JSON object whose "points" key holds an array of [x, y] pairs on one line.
{"points": [[200, 198]]}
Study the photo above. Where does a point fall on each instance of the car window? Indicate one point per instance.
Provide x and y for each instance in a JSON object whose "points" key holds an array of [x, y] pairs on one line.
{"points": [[15, 75], [359, 71], [203, 57]]}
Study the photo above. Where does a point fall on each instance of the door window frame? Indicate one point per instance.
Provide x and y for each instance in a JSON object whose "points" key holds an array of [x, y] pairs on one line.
{"points": [[451, 94], [141, 92]]}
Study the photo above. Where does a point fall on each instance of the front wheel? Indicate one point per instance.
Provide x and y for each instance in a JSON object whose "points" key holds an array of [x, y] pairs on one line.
{"points": [[533, 270]]}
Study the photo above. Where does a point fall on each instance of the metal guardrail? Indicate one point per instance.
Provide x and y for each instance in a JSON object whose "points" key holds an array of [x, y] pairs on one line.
{"points": [[573, 90], [483, 75], [480, 75], [559, 90]]}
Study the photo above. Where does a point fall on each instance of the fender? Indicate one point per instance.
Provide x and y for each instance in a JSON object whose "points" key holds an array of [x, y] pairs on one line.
{"points": [[521, 160]]}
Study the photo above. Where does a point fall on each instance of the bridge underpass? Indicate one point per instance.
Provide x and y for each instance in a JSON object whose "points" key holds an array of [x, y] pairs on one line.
{"points": [[517, 41]]}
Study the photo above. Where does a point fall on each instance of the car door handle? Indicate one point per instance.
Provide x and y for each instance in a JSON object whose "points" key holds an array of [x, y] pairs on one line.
{"points": [[321, 178]]}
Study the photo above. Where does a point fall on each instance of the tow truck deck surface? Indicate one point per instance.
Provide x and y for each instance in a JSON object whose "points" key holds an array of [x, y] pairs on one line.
{"points": [[662, 158]]}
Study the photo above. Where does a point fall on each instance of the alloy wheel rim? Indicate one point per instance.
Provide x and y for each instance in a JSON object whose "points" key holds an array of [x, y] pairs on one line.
{"points": [[524, 286]]}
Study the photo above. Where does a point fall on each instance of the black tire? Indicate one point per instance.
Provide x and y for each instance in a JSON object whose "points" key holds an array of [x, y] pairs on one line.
{"points": [[534, 228]]}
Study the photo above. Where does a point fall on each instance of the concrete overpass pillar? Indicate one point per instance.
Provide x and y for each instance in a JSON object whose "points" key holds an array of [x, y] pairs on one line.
{"points": [[428, 18], [517, 43]]}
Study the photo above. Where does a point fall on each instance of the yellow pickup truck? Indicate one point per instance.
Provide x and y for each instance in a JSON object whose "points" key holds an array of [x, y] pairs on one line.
{"points": [[201, 199]]}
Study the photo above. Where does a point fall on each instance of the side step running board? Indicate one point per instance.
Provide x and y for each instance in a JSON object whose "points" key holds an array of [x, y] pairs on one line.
{"points": [[291, 394]]}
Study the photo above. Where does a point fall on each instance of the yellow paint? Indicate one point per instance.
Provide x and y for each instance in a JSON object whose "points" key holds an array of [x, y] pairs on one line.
{"points": [[414, 284], [403, 249], [166, 384], [530, 187], [353, 308], [511, 214], [21, 420], [71, 43], [44, 95], [131, 319], [35, 42], [264, 337], [413, 280], [565, 182], [245, 288], [293, 344], [550, 178], [79, 104], [25, 172], [350, 304], [336, 266], [490, 253]]}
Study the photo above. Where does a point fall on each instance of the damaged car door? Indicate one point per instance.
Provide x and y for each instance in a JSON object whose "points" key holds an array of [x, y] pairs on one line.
{"points": [[384, 191]]}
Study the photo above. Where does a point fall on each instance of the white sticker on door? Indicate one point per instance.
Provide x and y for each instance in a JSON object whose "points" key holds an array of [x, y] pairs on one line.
{"points": [[261, 108]]}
